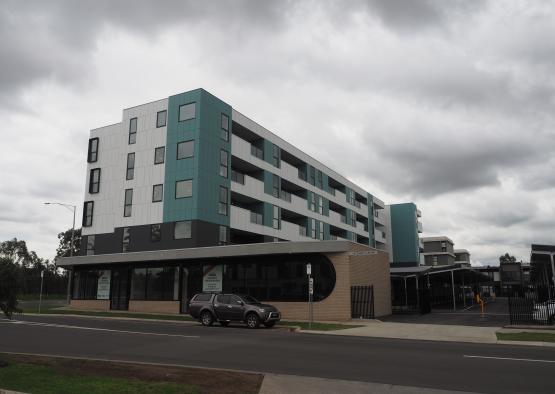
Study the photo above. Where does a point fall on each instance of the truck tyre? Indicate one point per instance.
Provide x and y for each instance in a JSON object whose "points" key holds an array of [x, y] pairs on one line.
{"points": [[206, 318], [253, 321]]}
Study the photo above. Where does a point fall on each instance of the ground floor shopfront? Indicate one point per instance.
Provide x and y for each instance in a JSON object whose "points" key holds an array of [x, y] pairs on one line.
{"points": [[276, 273]]}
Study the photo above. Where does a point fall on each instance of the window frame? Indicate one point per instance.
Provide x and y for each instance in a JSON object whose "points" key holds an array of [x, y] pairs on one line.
{"points": [[158, 124], [194, 104], [90, 151], [130, 170], [224, 167], [185, 142], [152, 238], [132, 132], [222, 235], [223, 206], [161, 185], [185, 222], [224, 132], [92, 184], [276, 217], [156, 150], [182, 181], [276, 156], [125, 204], [88, 250], [85, 216], [125, 240]]}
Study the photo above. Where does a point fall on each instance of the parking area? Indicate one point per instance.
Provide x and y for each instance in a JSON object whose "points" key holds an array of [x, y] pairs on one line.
{"points": [[496, 314]]}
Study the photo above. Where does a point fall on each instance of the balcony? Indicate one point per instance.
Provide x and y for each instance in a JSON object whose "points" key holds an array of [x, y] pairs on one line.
{"points": [[419, 226], [379, 236]]}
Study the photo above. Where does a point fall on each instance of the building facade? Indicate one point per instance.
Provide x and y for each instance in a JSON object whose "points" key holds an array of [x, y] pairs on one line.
{"points": [[438, 251], [186, 194], [404, 228]]}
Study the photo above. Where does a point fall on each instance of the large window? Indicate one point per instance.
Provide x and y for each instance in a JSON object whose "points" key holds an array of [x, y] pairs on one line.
{"points": [[130, 173], [128, 202], [184, 188], [222, 206], [313, 228], [223, 163], [155, 284], [132, 131], [157, 193], [275, 186], [224, 132], [182, 230], [88, 209], [319, 180], [279, 278], [185, 149], [85, 284], [94, 181], [125, 240], [222, 240], [92, 154], [161, 118], [186, 112], [159, 154], [90, 245]]}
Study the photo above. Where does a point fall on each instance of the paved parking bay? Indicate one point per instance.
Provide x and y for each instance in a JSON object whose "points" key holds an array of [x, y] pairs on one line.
{"points": [[425, 364]]}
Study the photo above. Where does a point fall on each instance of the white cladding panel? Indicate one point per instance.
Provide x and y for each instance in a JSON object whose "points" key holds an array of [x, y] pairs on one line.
{"points": [[113, 151]]}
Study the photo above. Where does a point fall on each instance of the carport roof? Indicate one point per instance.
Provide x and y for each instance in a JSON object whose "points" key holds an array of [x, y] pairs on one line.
{"points": [[421, 270], [214, 252]]}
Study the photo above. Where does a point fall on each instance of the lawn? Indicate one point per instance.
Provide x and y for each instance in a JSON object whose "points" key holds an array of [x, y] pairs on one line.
{"points": [[48, 375], [526, 336]]}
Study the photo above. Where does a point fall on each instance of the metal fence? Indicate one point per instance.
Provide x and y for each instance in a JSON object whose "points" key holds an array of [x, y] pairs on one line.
{"points": [[532, 305], [362, 302]]}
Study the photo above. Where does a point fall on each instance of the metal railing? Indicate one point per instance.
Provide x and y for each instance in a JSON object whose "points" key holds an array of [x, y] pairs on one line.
{"points": [[532, 305], [362, 302]]}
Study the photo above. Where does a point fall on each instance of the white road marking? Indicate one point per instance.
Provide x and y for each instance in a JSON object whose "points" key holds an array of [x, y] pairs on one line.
{"points": [[97, 329], [511, 359]]}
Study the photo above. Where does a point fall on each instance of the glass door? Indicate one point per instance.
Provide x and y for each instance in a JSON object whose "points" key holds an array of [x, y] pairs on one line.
{"points": [[120, 289]]}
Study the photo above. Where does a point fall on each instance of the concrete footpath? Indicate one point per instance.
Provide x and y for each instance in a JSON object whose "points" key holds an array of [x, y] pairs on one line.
{"points": [[291, 384], [425, 332]]}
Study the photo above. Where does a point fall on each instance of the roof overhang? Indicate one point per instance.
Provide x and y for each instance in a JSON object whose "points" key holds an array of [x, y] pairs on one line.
{"points": [[212, 252]]}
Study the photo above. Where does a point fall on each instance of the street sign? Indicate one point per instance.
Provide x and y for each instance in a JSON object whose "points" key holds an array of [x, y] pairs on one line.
{"points": [[309, 269], [311, 286]]}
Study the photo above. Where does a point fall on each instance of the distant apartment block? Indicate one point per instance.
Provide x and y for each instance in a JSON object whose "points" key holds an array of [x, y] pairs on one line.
{"points": [[404, 228]]}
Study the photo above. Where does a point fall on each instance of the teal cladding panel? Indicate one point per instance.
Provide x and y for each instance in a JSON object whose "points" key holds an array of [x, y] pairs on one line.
{"points": [[404, 233], [204, 167], [268, 214], [268, 182]]}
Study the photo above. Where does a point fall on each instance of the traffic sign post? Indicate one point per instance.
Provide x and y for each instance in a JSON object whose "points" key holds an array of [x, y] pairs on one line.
{"points": [[40, 295]]}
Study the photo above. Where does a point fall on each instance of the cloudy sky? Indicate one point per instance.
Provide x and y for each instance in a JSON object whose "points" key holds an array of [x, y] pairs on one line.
{"points": [[449, 104]]}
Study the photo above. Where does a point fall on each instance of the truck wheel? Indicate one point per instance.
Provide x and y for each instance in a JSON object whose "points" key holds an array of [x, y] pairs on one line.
{"points": [[270, 324], [253, 320], [224, 323], [206, 318]]}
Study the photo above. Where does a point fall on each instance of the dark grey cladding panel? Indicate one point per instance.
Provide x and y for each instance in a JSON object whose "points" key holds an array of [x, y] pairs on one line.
{"points": [[210, 252]]}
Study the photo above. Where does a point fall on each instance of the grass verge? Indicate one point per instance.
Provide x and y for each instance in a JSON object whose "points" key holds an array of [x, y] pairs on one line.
{"points": [[49, 375], [526, 336]]}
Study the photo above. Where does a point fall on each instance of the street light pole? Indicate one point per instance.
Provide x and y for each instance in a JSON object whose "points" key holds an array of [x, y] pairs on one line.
{"points": [[73, 208]]}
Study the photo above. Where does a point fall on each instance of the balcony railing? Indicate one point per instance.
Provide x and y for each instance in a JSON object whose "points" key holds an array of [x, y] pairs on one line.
{"points": [[284, 195]]}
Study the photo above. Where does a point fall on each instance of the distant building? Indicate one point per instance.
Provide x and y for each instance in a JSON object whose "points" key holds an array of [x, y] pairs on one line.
{"points": [[462, 256], [438, 251], [404, 238]]}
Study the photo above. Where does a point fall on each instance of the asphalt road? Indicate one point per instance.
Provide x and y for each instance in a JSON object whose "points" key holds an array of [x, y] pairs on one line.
{"points": [[442, 365]]}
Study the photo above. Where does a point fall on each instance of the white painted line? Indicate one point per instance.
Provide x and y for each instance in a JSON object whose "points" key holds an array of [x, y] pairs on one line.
{"points": [[511, 359], [100, 329]]}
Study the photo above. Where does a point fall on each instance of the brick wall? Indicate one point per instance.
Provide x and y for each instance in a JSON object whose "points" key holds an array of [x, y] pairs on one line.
{"points": [[154, 306], [91, 305]]}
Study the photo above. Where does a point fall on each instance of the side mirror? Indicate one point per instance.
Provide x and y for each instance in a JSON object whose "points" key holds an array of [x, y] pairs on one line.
{"points": [[240, 302]]}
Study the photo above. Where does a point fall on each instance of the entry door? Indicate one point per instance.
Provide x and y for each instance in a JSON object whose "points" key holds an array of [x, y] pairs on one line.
{"points": [[120, 289]]}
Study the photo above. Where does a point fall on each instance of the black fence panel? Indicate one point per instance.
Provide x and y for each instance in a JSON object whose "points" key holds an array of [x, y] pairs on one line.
{"points": [[362, 302], [532, 305]]}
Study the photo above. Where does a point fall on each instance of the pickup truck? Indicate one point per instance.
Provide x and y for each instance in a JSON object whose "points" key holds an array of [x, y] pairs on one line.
{"points": [[225, 308]]}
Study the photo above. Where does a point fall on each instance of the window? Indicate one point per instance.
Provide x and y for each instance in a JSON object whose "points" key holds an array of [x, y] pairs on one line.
{"points": [[185, 149], [159, 154], [155, 232], [125, 240], [312, 179], [257, 152], [132, 131], [321, 231], [155, 283], [90, 245], [237, 177], [184, 188], [224, 133], [128, 202], [92, 154], [223, 235], [257, 218], [312, 202], [157, 193], [223, 163], [319, 180], [275, 186], [186, 112], [321, 201], [182, 230], [85, 284], [276, 222], [130, 173], [88, 208], [94, 181], [203, 297], [313, 228], [275, 156], [222, 207], [161, 118]]}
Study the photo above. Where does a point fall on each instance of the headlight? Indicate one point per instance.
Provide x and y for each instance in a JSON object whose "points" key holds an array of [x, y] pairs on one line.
{"points": [[261, 310]]}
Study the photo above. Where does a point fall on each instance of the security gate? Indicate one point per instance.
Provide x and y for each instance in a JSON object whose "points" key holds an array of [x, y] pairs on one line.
{"points": [[362, 302]]}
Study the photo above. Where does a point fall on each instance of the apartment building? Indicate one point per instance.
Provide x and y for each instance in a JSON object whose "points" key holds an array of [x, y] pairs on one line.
{"points": [[404, 229], [190, 172], [438, 251]]}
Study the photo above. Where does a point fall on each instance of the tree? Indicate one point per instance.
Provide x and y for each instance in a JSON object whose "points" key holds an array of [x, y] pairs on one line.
{"points": [[507, 258], [9, 287], [64, 246], [17, 252]]}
